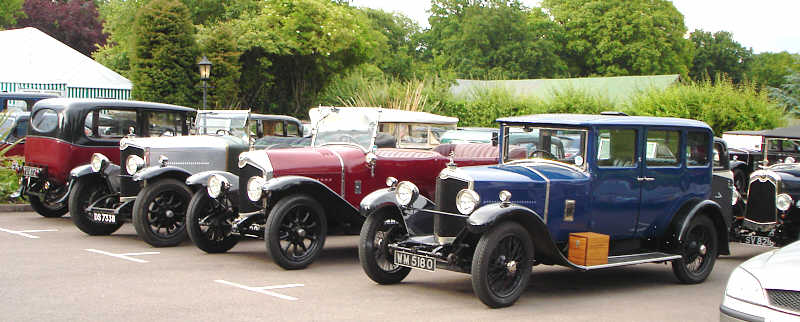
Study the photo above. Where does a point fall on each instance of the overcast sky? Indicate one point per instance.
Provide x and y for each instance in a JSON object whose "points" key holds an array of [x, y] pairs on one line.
{"points": [[765, 25]]}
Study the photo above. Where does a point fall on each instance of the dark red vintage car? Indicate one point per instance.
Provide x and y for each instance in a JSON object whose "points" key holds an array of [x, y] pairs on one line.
{"points": [[64, 133], [295, 197]]}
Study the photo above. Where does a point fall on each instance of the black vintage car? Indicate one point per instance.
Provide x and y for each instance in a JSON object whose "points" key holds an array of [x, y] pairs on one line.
{"points": [[65, 132], [750, 149], [772, 214]]}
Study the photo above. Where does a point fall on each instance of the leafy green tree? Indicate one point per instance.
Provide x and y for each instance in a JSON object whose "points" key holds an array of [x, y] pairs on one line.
{"points": [[164, 54], [218, 43], [787, 95], [494, 38], [718, 53], [771, 69], [10, 11], [622, 37], [396, 57]]}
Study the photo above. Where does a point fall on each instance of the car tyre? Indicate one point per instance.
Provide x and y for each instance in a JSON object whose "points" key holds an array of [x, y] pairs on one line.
{"points": [[162, 205], [86, 191], [208, 224], [698, 251], [295, 231], [740, 181], [501, 265], [49, 209], [378, 231]]}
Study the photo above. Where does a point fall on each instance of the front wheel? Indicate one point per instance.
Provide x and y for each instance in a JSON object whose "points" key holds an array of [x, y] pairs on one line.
{"points": [[49, 207], [159, 212], [698, 252], [378, 231], [86, 191], [209, 224], [501, 265], [295, 232]]}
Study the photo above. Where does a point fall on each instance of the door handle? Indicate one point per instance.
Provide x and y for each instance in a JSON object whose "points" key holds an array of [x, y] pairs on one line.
{"points": [[640, 179]]}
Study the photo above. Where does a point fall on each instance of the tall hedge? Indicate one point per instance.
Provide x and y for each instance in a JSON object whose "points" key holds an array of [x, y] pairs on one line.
{"points": [[163, 66]]}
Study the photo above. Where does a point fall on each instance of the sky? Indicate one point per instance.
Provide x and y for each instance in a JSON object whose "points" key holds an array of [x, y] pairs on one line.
{"points": [[764, 26]]}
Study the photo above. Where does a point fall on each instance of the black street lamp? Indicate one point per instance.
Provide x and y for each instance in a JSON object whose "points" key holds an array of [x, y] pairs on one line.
{"points": [[205, 72]]}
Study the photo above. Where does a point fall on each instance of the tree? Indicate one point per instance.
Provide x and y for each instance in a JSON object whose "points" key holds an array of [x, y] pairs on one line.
{"points": [[771, 69], [218, 43], [504, 39], [73, 22], [787, 95], [396, 56], [10, 11], [164, 54], [622, 37], [718, 53]]}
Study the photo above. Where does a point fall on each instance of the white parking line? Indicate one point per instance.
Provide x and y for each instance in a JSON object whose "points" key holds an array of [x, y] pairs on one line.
{"points": [[124, 256], [264, 289], [23, 232]]}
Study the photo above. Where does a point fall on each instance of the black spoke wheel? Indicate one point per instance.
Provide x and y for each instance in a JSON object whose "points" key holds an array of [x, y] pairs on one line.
{"points": [[49, 207], [295, 232], [210, 223], [86, 191], [378, 231], [501, 265], [698, 251], [159, 212]]}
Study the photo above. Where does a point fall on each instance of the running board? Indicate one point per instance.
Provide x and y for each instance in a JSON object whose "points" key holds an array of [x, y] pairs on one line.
{"points": [[624, 260]]}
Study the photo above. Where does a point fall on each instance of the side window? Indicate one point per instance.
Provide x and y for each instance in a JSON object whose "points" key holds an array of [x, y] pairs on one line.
{"points": [[790, 146], [109, 123], [273, 128], [773, 145], [19, 131], [663, 148], [616, 148], [718, 156], [697, 149], [165, 123], [292, 129]]}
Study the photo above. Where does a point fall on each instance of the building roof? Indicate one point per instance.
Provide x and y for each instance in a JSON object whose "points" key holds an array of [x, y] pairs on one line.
{"points": [[617, 89], [585, 120], [31, 56]]}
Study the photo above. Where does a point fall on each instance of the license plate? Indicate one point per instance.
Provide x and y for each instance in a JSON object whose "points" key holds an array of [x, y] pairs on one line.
{"points": [[31, 171], [422, 262], [104, 218], [759, 241]]}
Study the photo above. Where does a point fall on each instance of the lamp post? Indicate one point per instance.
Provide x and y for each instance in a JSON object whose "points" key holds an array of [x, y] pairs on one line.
{"points": [[205, 72]]}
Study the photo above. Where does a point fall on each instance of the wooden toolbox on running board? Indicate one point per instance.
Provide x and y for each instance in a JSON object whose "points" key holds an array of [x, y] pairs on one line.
{"points": [[588, 249]]}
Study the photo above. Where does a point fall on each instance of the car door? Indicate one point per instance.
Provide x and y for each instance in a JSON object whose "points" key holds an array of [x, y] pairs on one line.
{"points": [[661, 176], [616, 192]]}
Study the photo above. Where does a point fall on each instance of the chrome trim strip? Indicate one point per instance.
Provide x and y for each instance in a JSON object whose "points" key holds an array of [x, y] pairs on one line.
{"points": [[552, 162], [547, 191], [341, 163]]}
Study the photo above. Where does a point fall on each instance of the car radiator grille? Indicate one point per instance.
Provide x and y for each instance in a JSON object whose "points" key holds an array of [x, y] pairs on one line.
{"points": [[788, 300], [446, 191], [245, 205], [129, 188], [761, 202]]}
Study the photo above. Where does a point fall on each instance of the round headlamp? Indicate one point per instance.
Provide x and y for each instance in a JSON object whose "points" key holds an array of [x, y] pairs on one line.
{"points": [[99, 161], [789, 160], [216, 184], [254, 188], [134, 163], [783, 202], [467, 200], [406, 193]]}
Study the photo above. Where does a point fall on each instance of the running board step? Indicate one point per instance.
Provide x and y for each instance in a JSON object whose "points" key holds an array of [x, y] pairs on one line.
{"points": [[624, 260]]}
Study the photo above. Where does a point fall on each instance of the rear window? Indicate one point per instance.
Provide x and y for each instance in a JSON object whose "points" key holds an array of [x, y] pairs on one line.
{"points": [[45, 120]]}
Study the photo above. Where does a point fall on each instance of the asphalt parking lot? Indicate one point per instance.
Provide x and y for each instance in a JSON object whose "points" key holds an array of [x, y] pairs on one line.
{"points": [[52, 271]]}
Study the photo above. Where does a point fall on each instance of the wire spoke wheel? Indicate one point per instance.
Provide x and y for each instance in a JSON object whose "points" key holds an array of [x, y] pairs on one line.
{"points": [[501, 264], [698, 251]]}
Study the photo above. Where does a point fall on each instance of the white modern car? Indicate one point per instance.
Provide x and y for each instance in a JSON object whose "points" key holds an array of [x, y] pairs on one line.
{"points": [[765, 288]]}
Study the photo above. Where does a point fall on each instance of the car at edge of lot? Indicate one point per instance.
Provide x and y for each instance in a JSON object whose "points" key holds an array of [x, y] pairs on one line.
{"points": [[773, 146]]}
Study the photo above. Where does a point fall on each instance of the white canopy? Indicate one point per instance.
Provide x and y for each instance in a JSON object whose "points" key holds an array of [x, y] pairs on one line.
{"points": [[30, 56], [388, 115]]}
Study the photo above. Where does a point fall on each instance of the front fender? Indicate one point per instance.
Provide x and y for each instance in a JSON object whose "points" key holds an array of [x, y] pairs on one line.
{"points": [[416, 222], [336, 208], [202, 179], [155, 171], [733, 164], [80, 171], [714, 211], [110, 174]]}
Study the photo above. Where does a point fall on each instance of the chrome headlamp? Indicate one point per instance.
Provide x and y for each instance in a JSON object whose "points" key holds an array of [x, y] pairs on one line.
{"points": [[217, 184], [467, 200], [406, 193], [99, 162], [255, 187], [134, 163], [783, 202]]}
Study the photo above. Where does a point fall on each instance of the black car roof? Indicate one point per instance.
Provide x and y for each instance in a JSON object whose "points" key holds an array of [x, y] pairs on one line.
{"points": [[78, 104], [789, 132]]}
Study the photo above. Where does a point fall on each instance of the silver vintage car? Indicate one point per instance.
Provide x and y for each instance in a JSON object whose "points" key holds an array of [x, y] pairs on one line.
{"points": [[149, 187]]}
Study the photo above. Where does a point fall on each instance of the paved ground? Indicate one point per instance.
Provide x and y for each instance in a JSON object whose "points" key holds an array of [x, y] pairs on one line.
{"points": [[55, 277]]}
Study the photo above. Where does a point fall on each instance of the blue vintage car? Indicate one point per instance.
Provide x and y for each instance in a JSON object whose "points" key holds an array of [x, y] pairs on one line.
{"points": [[644, 183]]}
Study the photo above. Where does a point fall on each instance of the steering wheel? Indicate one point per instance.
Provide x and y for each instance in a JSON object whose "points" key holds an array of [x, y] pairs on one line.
{"points": [[545, 154], [223, 132]]}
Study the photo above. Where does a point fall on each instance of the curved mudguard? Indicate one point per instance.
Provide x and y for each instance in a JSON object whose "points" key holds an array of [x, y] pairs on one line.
{"points": [[417, 223], [276, 188], [714, 211], [110, 173], [733, 164], [202, 179], [155, 171]]}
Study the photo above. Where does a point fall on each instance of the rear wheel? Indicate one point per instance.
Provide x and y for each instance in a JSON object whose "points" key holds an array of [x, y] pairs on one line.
{"points": [[698, 252], [86, 191], [501, 265], [378, 231], [49, 207], [295, 232], [159, 212], [209, 224]]}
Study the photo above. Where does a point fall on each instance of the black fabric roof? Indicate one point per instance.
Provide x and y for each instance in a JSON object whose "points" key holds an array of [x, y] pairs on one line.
{"points": [[791, 132]]}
